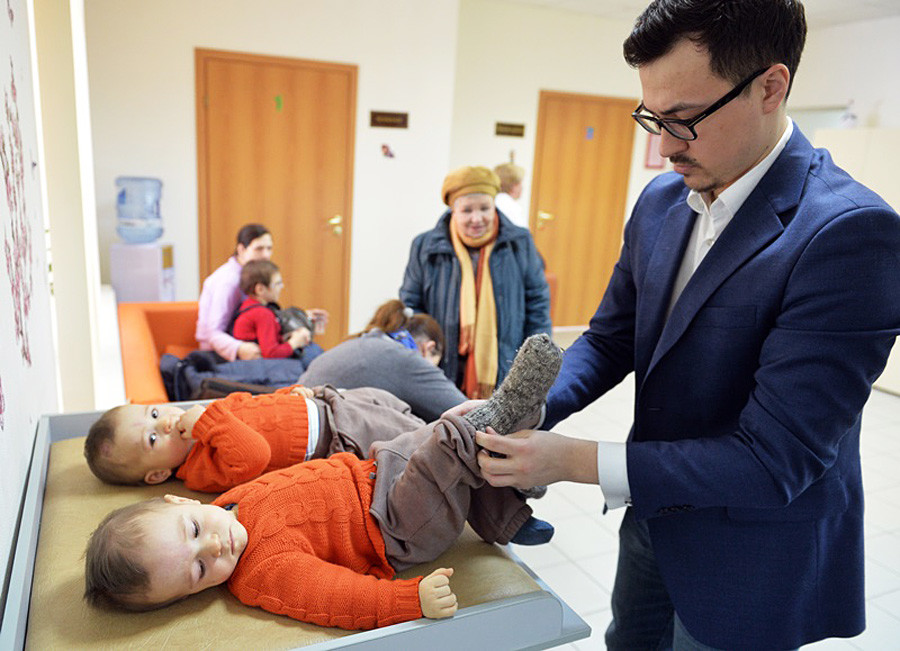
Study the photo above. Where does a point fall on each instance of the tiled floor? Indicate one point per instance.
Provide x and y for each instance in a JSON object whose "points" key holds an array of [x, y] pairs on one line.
{"points": [[579, 563]]}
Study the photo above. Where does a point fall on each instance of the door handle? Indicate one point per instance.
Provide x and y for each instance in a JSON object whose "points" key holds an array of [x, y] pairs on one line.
{"points": [[543, 217], [335, 223]]}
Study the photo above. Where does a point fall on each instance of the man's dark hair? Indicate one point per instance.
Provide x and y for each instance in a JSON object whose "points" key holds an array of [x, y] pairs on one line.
{"points": [[741, 36], [248, 233]]}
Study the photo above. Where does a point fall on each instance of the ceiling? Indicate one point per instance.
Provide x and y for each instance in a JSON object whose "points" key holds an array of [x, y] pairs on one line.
{"points": [[819, 13]]}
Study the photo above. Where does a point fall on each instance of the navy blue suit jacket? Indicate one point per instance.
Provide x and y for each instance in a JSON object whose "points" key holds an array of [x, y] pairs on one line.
{"points": [[744, 453]]}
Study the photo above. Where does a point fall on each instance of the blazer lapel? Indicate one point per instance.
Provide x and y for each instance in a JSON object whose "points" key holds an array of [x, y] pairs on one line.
{"points": [[662, 269], [755, 225]]}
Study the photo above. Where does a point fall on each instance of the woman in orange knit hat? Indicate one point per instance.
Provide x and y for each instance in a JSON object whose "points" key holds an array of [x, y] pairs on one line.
{"points": [[481, 278]]}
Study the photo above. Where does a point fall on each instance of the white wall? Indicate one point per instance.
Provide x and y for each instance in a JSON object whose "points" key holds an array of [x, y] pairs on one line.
{"points": [[457, 67], [857, 61], [141, 65], [68, 166], [507, 54], [27, 349]]}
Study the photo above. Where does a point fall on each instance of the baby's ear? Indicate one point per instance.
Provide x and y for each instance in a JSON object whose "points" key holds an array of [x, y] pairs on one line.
{"points": [[176, 499], [106, 449], [157, 476]]}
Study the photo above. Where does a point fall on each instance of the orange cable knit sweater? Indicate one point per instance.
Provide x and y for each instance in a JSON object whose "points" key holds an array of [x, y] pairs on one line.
{"points": [[241, 436], [314, 552]]}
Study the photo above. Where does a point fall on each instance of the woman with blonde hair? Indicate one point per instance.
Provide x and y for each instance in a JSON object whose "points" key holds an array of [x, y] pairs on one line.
{"points": [[507, 200]]}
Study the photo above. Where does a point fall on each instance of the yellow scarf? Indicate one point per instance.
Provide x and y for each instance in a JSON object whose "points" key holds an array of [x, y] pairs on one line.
{"points": [[477, 314]]}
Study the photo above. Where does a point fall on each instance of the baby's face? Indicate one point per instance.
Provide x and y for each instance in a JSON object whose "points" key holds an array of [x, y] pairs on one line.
{"points": [[148, 436], [189, 547]]}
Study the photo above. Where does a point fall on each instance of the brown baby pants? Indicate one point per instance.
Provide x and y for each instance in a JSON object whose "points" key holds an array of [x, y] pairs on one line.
{"points": [[351, 420], [428, 485]]}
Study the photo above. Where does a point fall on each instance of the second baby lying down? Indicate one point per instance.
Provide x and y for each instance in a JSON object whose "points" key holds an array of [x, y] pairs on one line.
{"points": [[235, 439]]}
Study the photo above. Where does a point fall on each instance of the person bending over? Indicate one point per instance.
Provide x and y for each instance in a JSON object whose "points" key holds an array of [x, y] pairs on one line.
{"points": [[235, 439], [397, 351], [320, 541]]}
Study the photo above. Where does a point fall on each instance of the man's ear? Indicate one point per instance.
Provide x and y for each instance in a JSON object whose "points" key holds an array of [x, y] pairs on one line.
{"points": [[775, 84], [177, 499], [157, 476], [429, 347]]}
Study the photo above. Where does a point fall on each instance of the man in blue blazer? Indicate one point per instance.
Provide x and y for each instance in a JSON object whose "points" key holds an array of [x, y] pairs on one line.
{"points": [[756, 300]]}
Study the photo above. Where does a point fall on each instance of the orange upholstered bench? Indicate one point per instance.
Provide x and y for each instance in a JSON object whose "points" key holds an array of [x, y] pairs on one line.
{"points": [[146, 332]]}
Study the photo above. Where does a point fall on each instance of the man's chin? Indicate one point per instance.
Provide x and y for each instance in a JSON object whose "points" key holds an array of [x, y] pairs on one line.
{"points": [[698, 184]]}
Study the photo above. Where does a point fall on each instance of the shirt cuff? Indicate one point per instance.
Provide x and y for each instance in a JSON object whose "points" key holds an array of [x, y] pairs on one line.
{"points": [[612, 471], [542, 417]]}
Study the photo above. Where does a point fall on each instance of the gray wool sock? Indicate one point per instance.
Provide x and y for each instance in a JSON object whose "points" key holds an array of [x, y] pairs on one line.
{"points": [[524, 389]]}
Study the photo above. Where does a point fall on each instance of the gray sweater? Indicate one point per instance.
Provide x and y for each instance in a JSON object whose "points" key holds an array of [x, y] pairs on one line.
{"points": [[376, 360]]}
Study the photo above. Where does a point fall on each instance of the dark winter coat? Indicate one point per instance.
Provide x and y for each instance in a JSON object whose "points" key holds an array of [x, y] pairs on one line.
{"points": [[432, 281]]}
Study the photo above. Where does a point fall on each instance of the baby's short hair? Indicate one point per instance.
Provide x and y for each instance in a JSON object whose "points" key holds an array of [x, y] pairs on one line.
{"points": [[113, 572], [255, 272], [99, 443]]}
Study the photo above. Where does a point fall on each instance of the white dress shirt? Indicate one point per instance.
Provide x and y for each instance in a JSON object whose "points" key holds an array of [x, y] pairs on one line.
{"points": [[612, 464], [512, 209]]}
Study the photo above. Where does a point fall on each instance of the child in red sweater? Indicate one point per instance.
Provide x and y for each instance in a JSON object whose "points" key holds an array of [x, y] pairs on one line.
{"points": [[262, 283], [238, 438], [319, 541]]}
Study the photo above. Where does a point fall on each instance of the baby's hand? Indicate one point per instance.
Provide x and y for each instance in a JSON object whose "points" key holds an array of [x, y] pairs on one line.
{"points": [[306, 392], [435, 595], [300, 338], [463, 408], [188, 419]]}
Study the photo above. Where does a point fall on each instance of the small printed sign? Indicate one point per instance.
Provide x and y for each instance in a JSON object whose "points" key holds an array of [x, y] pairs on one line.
{"points": [[509, 129], [391, 120]]}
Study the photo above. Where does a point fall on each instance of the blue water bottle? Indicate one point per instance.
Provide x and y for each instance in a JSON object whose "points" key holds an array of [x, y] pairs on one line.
{"points": [[137, 208]]}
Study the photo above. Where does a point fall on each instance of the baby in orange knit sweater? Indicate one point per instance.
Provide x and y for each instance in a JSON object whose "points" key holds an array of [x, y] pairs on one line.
{"points": [[320, 541], [238, 438]]}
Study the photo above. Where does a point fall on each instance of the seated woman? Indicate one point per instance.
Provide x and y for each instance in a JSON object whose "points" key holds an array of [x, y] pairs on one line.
{"points": [[398, 352], [222, 296], [481, 278]]}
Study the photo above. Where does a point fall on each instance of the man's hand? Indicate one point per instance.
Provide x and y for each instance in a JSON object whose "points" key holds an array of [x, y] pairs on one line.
{"points": [[463, 408], [435, 595], [249, 350], [188, 419], [306, 392], [536, 458]]}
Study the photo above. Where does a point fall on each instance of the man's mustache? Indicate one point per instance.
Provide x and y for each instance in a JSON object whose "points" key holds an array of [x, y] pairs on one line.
{"points": [[682, 159]]}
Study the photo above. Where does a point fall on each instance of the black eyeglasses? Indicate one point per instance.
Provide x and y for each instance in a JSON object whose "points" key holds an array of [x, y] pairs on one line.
{"points": [[684, 129]]}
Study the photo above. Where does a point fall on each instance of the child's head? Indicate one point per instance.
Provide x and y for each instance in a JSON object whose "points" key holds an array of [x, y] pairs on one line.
{"points": [[132, 444], [262, 280], [393, 315], [153, 553]]}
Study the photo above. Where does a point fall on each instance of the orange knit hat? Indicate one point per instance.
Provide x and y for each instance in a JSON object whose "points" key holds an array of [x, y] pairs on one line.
{"points": [[469, 180]]}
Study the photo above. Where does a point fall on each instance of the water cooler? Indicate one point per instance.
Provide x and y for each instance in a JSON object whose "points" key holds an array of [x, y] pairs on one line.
{"points": [[142, 268]]}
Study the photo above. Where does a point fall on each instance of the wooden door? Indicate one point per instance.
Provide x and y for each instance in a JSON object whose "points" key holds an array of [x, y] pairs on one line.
{"points": [[580, 185], [275, 143]]}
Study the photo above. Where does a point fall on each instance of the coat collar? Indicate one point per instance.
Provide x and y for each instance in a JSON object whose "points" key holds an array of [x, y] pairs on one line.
{"points": [[760, 220]]}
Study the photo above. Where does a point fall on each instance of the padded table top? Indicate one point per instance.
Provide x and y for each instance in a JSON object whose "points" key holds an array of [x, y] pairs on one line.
{"points": [[75, 502]]}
